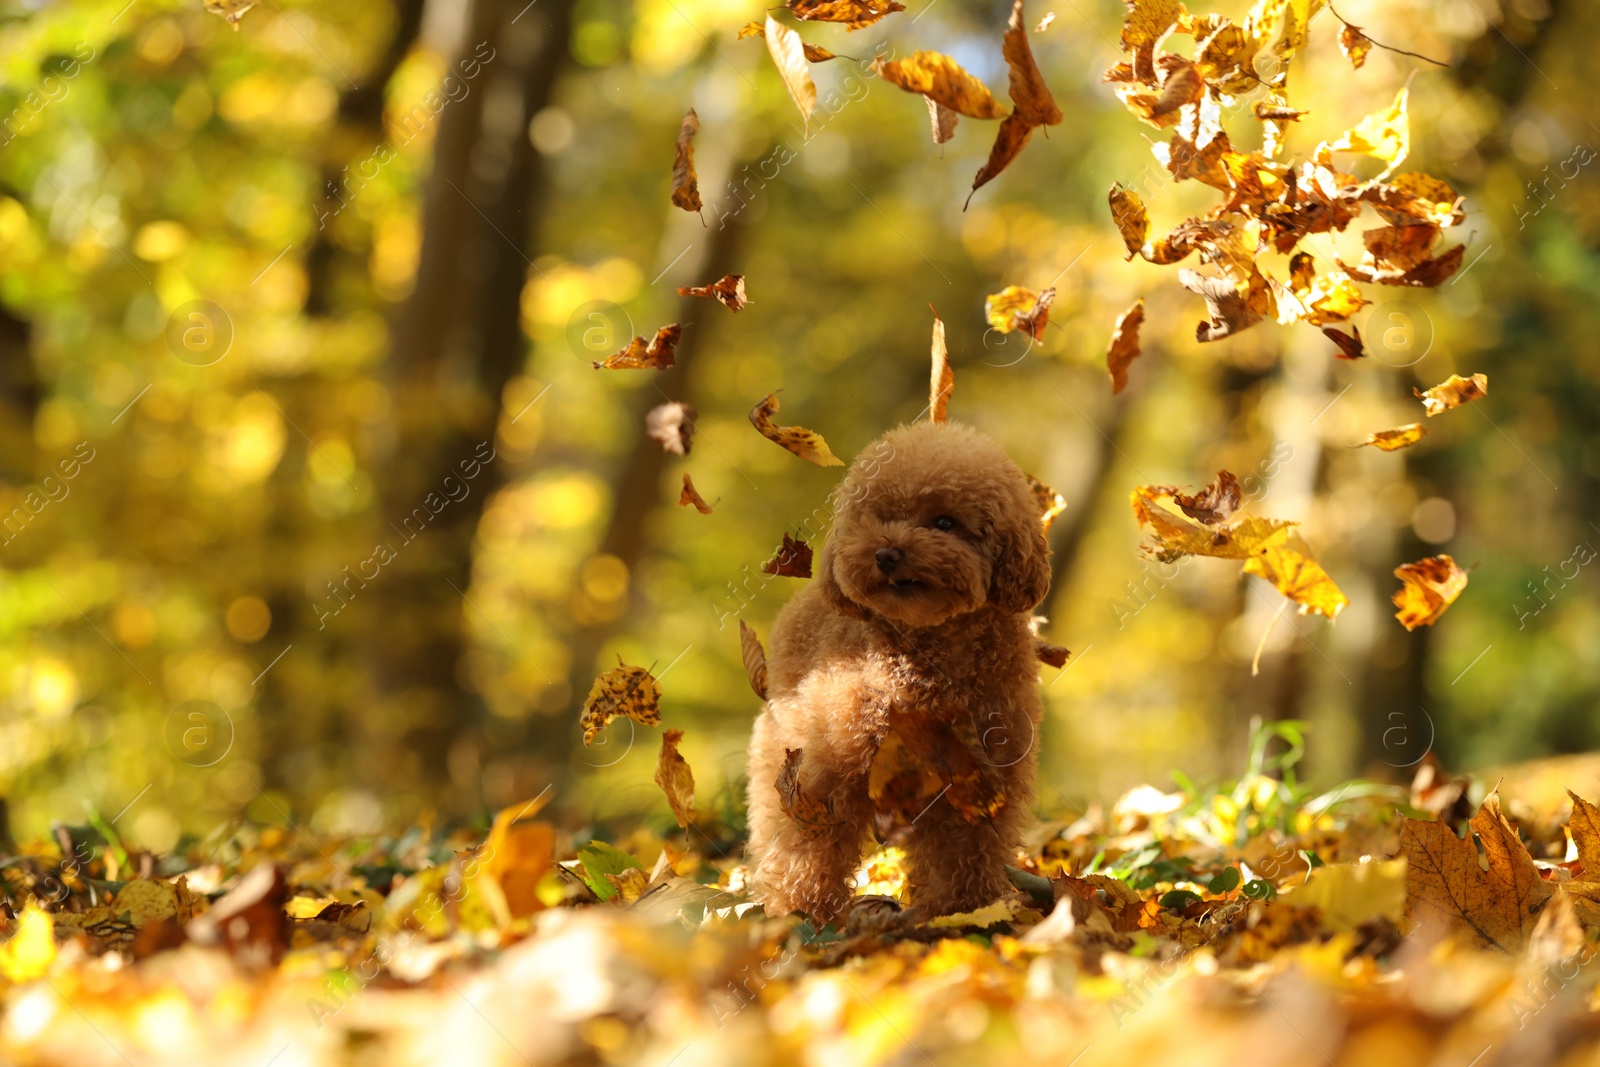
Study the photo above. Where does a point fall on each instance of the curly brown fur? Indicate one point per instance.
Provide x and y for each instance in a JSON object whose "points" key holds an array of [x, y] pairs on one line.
{"points": [[905, 618]]}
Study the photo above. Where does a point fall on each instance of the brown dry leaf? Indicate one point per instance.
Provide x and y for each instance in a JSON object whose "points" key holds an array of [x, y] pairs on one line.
{"points": [[1231, 308], [941, 120], [685, 185], [1413, 198], [1453, 392], [1429, 586], [942, 80], [793, 559], [249, 919], [1050, 502], [1028, 90], [807, 444], [1054, 655], [622, 690], [1214, 504], [1146, 22], [943, 379], [727, 291], [1583, 888], [1171, 535], [1008, 142], [1124, 345], [855, 14], [231, 11], [672, 425], [951, 756], [1350, 346], [675, 778], [1017, 308], [1448, 888], [1428, 274], [658, 353], [789, 55], [690, 495], [813, 815], [1354, 44], [899, 786], [518, 853], [1181, 85], [755, 659], [814, 53], [1133, 222], [1396, 439], [1269, 111], [1290, 568]]}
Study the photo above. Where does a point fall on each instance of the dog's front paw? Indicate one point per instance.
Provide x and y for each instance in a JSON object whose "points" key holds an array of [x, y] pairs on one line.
{"points": [[872, 915]]}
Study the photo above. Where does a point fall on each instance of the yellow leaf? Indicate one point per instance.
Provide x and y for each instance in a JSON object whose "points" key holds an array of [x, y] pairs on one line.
{"points": [[517, 855], [1429, 587], [31, 950], [942, 80], [807, 444], [1385, 135], [1018, 308], [1173, 535], [623, 690], [1453, 392], [1349, 894], [1398, 438], [675, 778], [943, 379], [1290, 568], [789, 54], [659, 353]]}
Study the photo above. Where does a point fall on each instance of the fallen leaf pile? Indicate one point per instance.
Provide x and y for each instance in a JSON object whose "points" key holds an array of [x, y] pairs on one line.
{"points": [[1356, 925]]}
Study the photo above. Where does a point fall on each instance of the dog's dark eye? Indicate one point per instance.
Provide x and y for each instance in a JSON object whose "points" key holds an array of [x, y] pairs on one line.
{"points": [[944, 522]]}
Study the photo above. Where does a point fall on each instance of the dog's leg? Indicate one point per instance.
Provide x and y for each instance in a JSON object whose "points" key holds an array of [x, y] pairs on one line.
{"points": [[958, 865]]}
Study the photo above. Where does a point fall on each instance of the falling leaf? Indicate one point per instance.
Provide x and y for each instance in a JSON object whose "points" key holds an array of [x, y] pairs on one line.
{"points": [[1044, 23], [1146, 22], [942, 80], [230, 10], [727, 291], [1292, 571], [1350, 346], [1172, 535], [813, 815], [690, 495], [1124, 345], [657, 354], [1450, 888], [622, 690], [1054, 655], [1453, 392], [814, 53], [1133, 222], [1017, 308], [1214, 504], [1050, 502], [1428, 274], [1028, 90], [1231, 308], [1429, 586], [899, 786], [942, 120], [943, 379], [855, 14], [1270, 112], [1385, 135], [789, 55], [807, 444], [1008, 142], [1181, 85], [685, 185], [923, 757], [675, 778], [793, 560], [518, 853], [671, 424], [755, 659], [1354, 44], [1398, 438]]}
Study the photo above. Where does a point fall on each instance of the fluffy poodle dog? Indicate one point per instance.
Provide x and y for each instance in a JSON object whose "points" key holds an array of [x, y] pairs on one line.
{"points": [[902, 682]]}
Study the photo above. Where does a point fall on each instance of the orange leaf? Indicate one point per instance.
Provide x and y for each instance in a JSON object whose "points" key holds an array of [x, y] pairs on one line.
{"points": [[1028, 90], [1453, 392], [807, 444], [727, 291], [675, 778], [657, 354], [943, 379], [855, 14], [1392, 440], [691, 495], [685, 186], [1124, 346], [1429, 586]]}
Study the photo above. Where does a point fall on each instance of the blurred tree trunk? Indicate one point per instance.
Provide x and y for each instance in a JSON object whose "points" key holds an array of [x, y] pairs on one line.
{"points": [[19, 396], [457, 343]]}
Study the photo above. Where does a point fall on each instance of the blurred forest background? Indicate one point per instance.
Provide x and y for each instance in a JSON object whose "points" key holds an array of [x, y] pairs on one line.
{"points": [[263, 290]]}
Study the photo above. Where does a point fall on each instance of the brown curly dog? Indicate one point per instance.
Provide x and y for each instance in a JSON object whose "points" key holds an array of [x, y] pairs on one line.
{"points": [[918, 616]]}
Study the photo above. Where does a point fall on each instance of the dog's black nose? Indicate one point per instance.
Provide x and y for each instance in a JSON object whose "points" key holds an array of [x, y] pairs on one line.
{"points": [[888, 559]]}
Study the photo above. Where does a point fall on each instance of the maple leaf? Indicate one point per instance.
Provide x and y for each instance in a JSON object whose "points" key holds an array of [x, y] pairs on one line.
{"points": [[855, 14], [807, 444], [675, 778], [1018, 308], [754, 657], [1292, 571], [659, 353], [789, 56], [1449, 888], [1350, 346], [793, 559], [622, 690], [1124, 345], [813, 53], [1028, 90], [672, 425], [685, 185], [690, 495], [1050, 502], [1452, 393], [814, 816], [942, 80], [1355, 45], [942, 381], [727, 291], [1428, 587], [1398, 438]]}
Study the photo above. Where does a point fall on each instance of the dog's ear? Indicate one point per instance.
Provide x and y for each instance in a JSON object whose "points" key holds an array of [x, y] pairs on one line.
{"points": [[1021, 575], [828, 581]]}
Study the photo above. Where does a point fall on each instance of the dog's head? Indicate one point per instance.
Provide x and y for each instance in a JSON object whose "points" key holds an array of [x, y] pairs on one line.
{"points": [[933, 521]]}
